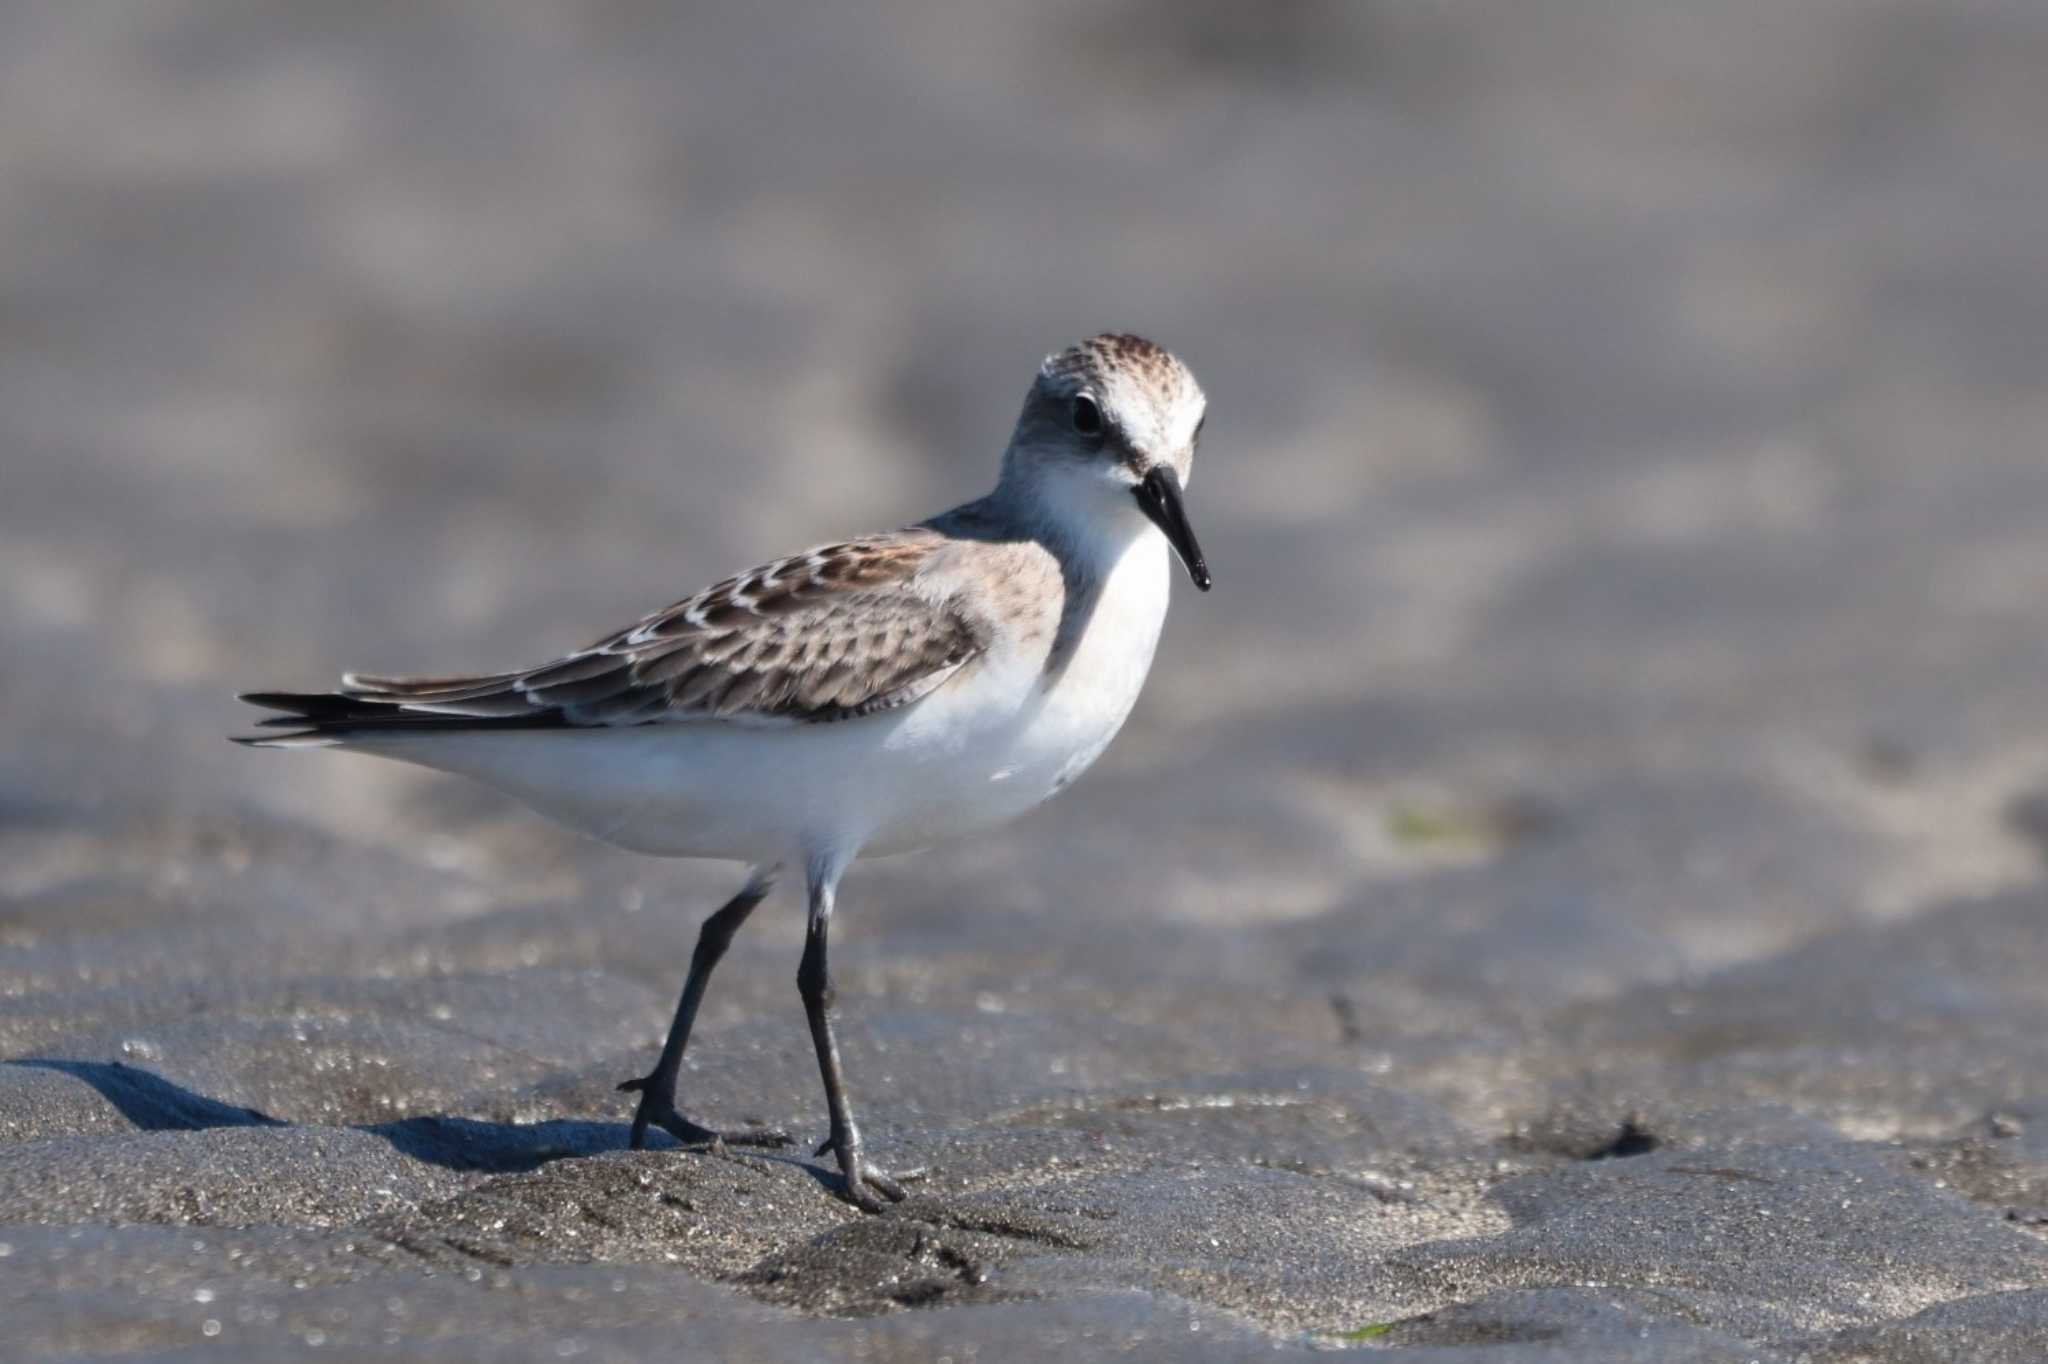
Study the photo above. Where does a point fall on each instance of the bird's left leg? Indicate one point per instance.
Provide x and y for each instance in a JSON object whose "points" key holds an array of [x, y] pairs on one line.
{"points": [[658, 1090]]}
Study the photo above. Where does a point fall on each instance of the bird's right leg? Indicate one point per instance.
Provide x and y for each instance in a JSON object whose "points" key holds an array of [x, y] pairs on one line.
{"points": [[863, 1182], [658, 1090]]}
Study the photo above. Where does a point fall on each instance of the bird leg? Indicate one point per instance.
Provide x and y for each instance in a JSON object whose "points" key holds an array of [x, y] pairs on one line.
{"points": [[814, 983], [658, 1090]]}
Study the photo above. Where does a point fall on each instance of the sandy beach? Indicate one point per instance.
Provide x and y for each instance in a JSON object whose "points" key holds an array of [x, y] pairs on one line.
{"points": [[1577, 890]]}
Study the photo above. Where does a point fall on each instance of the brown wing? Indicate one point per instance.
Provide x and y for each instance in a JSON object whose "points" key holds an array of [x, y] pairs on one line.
{"points": [[825, 635]]}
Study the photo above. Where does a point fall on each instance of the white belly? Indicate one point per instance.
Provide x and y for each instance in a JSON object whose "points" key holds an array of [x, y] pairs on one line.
{"points": [[997, 740]]}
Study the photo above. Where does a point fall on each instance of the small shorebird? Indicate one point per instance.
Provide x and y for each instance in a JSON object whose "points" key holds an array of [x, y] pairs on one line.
{"points": [[872, 696]]}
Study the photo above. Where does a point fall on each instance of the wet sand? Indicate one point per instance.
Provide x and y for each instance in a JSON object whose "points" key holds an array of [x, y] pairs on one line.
{"points": [[1575, 890]]}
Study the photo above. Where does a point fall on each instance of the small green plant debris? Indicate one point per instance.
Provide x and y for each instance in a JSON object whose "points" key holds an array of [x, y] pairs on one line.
{"points": [[1487, 826], [1441, 826]]}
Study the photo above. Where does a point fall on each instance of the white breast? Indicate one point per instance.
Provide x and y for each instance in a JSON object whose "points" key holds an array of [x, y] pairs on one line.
{"points": [[1089, 699], [1014, 733]]}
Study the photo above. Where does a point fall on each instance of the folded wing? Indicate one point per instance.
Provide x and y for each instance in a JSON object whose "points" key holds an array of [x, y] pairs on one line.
{"points": [[840, 631]]}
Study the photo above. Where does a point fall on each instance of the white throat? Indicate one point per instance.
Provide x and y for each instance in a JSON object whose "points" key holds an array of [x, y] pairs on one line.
{"points": [[1085, 515]]}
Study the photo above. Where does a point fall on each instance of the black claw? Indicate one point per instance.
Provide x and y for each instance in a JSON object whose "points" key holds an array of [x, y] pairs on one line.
{"points": [[860, 1185], [657, 1112], [860, 1181]]}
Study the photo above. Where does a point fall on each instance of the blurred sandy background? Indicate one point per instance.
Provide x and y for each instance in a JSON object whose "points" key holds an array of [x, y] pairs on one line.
{"points": [[1621, 709]]}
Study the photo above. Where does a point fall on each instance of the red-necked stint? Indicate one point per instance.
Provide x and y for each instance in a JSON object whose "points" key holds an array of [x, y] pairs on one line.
{"points": [[873, 696]]}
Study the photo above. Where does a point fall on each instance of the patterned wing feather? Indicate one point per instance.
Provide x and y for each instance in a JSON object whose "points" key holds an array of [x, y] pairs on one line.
{"points": [[836, 632]]}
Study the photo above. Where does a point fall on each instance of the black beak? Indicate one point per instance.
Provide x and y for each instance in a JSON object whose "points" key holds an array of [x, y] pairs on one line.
{"points": [[1159, 494]]}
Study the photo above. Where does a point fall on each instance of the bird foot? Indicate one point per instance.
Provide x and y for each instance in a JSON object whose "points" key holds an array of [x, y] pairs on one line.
{"points": [[863, 1181], [659, 1110]]}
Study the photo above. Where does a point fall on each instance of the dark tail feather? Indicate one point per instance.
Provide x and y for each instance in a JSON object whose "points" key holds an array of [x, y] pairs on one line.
{"points": [[312, 705], [322, 719]]}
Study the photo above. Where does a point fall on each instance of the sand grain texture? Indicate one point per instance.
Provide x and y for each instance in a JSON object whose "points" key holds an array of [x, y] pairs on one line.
{"points": [[1574, 892]]}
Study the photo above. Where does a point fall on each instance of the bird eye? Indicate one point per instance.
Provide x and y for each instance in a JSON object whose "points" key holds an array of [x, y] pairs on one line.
{"points": [[1087, 416]]}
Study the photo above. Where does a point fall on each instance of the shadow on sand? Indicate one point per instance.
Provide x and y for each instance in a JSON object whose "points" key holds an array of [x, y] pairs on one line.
{"points": [[155, 1104]]}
